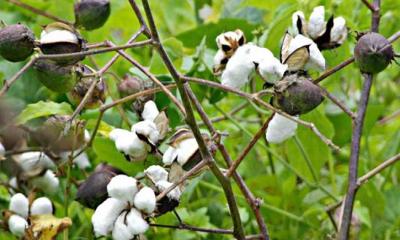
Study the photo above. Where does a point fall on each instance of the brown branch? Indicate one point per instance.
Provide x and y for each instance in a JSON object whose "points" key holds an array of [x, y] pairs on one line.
{"points": [[334, 70], [369, 5], [378, 169], [390, 117], [192, 228], [7, 84], [337, 102], [249, 146], [38, 11]]}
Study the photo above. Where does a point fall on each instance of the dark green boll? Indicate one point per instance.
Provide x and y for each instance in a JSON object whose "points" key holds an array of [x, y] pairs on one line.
{"points": [[57, 78], [92, 14], [296, 94], [373, 53], [16, 42]]}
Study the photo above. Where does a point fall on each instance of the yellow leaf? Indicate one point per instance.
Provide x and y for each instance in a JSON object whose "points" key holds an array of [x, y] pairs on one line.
{"points": [[46, 227]]}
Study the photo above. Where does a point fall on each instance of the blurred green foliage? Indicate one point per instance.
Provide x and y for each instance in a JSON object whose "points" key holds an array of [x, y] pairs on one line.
{"points": [[294, 200]]}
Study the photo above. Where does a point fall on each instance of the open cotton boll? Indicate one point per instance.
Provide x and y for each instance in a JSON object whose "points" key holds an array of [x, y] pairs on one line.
{"points": [[41, 206], [17, 225], [129, 143], [48, 183], [295, 18], [148, 129], [136, 223], [145, 200], [54, 36], [156, 173], [104, 216], [219, 56], [339, 30], [30, 161], [122, 188], [150, 111], [186, 149], [87, 136], [170, 155], [19, 204], [316, 23], [82, 161], [239, 68], [280, 128], [2, 150], [121, 230], [173, 194], [317, 60], [269, 67]]}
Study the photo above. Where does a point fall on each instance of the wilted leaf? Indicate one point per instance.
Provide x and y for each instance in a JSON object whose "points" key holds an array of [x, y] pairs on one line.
{"points": [[48, 226]]}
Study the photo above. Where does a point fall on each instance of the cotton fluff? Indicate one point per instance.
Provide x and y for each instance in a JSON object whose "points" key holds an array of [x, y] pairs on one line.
{"points": [[129, 143], [239, 67], [136, 223], [269, 67], [54, 36], [173, 194], [121, 230], [317, 60], [41, 206], [232, 35], [30, 161], [19, 204], [280, 128], [186, 149], [2, 150], [170, 155], [316, 23], [339, 30], [17, 225], [47, 183], [81, 161], [156, 173], [87, 136], [150, 111], [123, 188], [105, 215], [145, 200], [148, 129], [295, 17]]}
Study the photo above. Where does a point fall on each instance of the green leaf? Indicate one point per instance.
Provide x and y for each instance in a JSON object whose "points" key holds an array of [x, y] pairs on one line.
{"points": [[42, 109]]}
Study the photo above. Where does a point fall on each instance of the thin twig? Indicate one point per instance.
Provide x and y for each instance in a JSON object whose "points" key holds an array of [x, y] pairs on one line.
{"points": [[38, 11], [192, 228]]}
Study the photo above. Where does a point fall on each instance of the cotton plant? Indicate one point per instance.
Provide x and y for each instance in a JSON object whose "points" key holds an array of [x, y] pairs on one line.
{"points": [[20, 211], [326, 34], [37, 167], [123, 215], [144, 135]]}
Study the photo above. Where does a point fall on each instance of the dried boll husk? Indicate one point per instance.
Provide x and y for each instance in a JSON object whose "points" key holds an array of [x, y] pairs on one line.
{"points": [[93, 191], [52, 134], [228, 42], [58, 38], [130, 85], [296, 94], [16, 42], [79, 91], [92, 14], [373, 53], [57, 78]]}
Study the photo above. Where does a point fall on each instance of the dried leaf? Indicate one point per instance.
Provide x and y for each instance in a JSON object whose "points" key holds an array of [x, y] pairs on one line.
{"points": [[46, 227], [162, 123]]}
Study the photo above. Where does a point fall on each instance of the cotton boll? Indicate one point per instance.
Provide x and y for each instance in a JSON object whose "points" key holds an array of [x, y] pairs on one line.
{"points": [[316, 23], [295, 22], [170, 156], [48, 183], [339, 30], [220, 61], [136, 223], [17, 225], [239, 68], [122, 188], [121, 230], [150, 111], [104, 217], [31, 161], [271, 69], [87, 136], [41, 206], [174, 193], [19, 204], [186, 149], [148, 129], [2, 150], [145, 200], [156, 173], [129, 143], [280, 128], [48, 37], [316, 60], [82, 161]]}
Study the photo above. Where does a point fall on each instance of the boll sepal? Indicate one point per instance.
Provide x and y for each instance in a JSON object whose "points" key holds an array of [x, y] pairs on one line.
{"points": [[296, 94], [92, 14], [57, 78], [16, 42], [373, 53]]}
